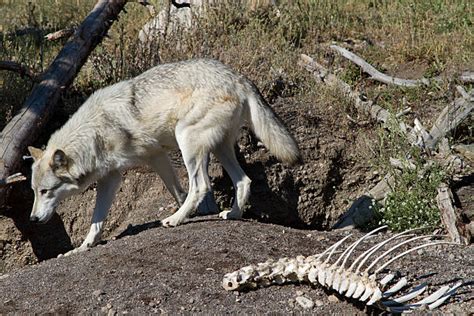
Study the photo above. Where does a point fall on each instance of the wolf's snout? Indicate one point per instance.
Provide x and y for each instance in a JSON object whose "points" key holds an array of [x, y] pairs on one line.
{"points": [[34, 219]]}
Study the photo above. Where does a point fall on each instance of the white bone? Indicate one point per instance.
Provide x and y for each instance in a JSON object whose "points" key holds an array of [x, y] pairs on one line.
{"points": [[376, 247], [313, 274], [356, 243], [322, 274], [412, 294], [434, 296], [353, 281], [397, 287], [389, 277], [450, 293], [375, 297], [360, 289], [383, 255], [345, 278], [401, 309], [337, 279], [411, 250], [335, 246], [369, 290]]}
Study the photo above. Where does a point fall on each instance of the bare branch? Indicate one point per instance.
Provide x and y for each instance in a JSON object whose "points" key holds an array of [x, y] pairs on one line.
{"points": [[24, 71], [54, 36], [451, 220], [17, 177], [467, 77], [23, 127], [451, 116], [374, 73]]}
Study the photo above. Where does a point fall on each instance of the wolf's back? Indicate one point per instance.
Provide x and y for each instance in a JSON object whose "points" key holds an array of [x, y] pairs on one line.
{"points": [[271, 131]]}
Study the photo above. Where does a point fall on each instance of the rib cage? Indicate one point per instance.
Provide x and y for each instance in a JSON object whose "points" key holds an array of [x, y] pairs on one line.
{"points": [[357, 279]]}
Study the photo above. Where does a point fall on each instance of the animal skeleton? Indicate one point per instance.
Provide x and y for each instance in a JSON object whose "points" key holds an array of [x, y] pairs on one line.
{"points": [[352, 281]]}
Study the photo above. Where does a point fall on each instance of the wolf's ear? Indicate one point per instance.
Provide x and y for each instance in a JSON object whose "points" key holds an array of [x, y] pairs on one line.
{"points": [[36, 153], [59, 161]]}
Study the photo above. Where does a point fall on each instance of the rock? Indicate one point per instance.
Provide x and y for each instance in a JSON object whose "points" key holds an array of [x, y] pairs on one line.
{"points": [[98, 293], [333, 299], [305, 302], [318, 303]]}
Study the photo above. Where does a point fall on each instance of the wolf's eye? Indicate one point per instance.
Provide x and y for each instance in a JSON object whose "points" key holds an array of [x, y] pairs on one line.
{"points": [[43, 192]]}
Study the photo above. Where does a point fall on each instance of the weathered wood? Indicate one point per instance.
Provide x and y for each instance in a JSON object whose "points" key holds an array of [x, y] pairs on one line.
{"points": [[18, 68], [450, 217], [367, 107], [465, 77], [451, 116], [26, 125], [17, 177], [54, 36], [374, 73]]}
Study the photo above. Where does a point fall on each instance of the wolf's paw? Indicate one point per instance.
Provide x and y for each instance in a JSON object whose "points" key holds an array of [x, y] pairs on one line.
{"points": [[75, 250], [230, 215], [172, 221]]}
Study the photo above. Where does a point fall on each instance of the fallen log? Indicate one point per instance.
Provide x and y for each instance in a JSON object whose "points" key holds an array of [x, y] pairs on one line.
{"points": [[451, 116], [465, 77], [361, 211], [458, 231], [374, 73], [26, 125]]}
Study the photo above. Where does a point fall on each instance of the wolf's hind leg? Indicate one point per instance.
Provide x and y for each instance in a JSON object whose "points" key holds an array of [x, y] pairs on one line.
{"points": [[161, 164], [208, 205], [226, 155], [196, 159], [106, 189]]}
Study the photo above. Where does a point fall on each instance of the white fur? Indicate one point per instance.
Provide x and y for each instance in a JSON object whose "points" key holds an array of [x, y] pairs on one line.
{"points": [[197, 105]]}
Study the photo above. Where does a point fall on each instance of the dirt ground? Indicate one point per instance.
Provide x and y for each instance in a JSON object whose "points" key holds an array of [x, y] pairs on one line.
{"points": [[152, 269], [180, 270], [311, 195]]}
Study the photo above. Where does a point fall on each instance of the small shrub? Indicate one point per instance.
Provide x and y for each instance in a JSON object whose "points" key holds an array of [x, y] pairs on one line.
{"points": [[412, 202]]}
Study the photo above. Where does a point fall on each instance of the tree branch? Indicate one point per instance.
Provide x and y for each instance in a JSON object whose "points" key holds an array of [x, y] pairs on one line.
{"points": [[24, 71], [26, 125]]}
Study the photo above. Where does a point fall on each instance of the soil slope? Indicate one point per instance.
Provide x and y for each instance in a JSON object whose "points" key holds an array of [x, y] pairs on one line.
{"points": [[152, 269]]}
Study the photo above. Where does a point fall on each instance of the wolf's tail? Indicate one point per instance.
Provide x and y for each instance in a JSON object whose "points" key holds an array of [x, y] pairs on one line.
{"points": [[271, 131]]}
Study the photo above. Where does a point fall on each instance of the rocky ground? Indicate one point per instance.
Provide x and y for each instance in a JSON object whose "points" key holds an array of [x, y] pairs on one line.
{"points": [[150, 269]]}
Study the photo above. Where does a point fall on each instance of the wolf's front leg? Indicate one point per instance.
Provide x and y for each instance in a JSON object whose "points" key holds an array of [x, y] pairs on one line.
{"points": [[106, 189]]}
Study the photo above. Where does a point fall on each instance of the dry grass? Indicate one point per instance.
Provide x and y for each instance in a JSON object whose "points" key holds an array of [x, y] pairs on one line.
{"points": [[405, 38]]}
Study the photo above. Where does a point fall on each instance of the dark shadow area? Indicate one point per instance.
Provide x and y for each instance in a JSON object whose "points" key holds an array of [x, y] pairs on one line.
{"points": [[264, 205], [47, 240], [136, 229]]}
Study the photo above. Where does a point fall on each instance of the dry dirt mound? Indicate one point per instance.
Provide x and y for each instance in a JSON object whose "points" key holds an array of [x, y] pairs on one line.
{"points": [[310, 195], [180, 270]]}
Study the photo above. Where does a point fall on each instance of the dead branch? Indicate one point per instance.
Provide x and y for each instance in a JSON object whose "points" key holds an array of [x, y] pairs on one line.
{"points": [[17, 177], [367, 107], [374, 73], [361, 210], [451, 116], [23, 128], [54, 36], [457, 230], [465, 77], [24, 71]]}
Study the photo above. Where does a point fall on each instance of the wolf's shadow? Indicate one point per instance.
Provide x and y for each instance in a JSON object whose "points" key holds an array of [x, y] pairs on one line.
{"points": [[47, 240]]}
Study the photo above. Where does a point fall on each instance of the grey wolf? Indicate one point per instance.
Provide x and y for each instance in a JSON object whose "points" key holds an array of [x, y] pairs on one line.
{"points": [[197, 106]]}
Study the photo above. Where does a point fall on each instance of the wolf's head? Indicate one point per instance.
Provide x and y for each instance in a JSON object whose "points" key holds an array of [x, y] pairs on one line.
{"points": [[50, 181]]}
